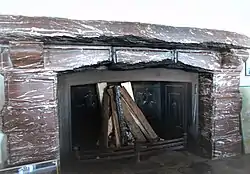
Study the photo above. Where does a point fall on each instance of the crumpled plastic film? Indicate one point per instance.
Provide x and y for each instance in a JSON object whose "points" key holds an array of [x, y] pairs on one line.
{"points": [[31, 64], [70, 59], [30, 119], [138, 56], [227, 107], [66, 31], [206, 60]]}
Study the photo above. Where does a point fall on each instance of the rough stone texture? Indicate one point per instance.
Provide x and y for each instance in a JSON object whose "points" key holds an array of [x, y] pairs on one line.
{"points": [[59, 59], [30, 116], [226, 119], [26, 55], [65, 31], [137, 56], [220, 107], [205, 60], [227, 137]]}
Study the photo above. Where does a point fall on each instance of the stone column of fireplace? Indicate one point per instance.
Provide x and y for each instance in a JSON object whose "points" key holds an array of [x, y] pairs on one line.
{"points": [[220, 107], [226, 133], [29, 119]]}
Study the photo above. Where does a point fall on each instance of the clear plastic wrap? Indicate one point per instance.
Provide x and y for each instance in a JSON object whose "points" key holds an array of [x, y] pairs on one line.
{"points": [[62, 59], [29, 116], [205, 60], [30, 70], [66, 31]]}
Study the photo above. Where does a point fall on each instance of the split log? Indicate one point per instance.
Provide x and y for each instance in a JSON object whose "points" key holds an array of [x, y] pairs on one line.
{"points": [[105, 119], [147, 129], [137, 121], [138, 135], [123, 126], [114, 118]]}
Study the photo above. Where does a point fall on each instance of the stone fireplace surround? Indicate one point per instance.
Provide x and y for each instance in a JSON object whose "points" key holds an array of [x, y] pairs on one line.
{"points": [[35, 51]]}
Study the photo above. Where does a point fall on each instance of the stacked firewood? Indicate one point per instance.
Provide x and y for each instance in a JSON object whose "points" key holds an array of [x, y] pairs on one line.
{"points": [[123, 121]]}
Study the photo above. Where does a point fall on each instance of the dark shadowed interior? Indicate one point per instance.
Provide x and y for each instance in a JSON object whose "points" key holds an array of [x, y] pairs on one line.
{"points": [[166, 105], [85, 117]]}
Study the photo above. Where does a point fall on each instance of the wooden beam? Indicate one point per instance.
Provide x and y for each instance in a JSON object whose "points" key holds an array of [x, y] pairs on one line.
{"points": [[140, 116], [137, 121], [135, 129], [114, 118], [105, 120]]}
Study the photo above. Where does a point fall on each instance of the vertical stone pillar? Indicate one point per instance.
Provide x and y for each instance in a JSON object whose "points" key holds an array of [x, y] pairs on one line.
{"points": [[220, 107], [226, 135], [226, 132], [30, 118]]}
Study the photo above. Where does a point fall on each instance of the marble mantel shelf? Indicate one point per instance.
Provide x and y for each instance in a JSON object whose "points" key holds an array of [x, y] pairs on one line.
{"points": [[66, 31]]}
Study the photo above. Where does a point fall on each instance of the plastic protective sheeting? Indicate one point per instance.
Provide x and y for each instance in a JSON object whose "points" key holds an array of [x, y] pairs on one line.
{"points": [[205, 60], [69, 59], [153, 58], [140, 56], [30, 119], [59, 30], [26, 55], [219, 109], [30, 70]]}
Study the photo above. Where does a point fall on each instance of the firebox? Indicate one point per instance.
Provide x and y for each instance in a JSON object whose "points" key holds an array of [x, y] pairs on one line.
{"points": [[167, 98], [89, 89], [167, 107]]}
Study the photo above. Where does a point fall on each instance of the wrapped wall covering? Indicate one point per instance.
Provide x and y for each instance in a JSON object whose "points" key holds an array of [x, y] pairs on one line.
{"points": [[65, 31], [30, 66]]}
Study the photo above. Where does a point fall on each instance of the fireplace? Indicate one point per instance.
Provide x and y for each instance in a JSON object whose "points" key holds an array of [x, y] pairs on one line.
{"points": [[184, 80]]}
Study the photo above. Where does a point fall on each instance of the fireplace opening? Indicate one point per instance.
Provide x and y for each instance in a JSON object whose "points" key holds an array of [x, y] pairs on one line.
{"points": [[166, 106], [114, 114]]}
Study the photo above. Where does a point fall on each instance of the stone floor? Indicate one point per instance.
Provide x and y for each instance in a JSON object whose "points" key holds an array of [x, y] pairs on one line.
{"points": [[167, 163]]}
